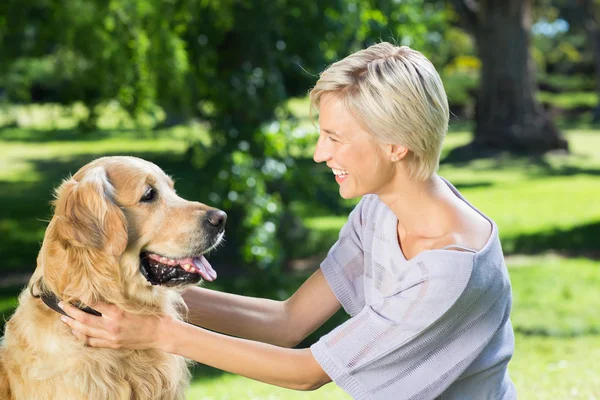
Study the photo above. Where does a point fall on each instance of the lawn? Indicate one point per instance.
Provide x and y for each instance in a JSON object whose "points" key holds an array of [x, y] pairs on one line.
{"points": [[546, 209]]}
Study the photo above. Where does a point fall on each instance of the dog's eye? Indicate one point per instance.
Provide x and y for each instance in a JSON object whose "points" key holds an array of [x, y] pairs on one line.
{"points": [[149, 195]]}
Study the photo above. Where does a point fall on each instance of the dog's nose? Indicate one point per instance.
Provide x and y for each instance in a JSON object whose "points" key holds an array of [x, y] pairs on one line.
{"points": [[216, 218]]}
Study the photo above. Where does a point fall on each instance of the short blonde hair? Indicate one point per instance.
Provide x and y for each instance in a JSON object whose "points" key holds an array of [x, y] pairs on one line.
{"points": [[397, 95]]}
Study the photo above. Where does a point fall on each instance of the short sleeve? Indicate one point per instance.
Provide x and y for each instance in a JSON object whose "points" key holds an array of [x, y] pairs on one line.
{"points": [[343, 267], [416, 342]]}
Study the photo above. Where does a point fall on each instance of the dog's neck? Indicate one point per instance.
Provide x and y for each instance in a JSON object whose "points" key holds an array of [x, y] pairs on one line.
{"points": [[51, 300]]}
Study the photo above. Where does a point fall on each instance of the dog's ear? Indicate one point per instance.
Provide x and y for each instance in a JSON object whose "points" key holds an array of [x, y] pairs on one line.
{"points": [[87, 215], [84, 240]]}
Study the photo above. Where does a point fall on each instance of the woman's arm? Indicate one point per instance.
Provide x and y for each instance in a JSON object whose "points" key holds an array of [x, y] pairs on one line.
{"points": [[296, 369], [290, 368], [249, 317], [283, 323]]}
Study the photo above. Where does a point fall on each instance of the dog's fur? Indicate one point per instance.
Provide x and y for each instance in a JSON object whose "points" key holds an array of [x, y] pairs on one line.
{"points": [[91, 252]]}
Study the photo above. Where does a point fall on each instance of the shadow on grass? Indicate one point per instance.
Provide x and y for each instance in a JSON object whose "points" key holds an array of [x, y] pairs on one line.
{"points": [[201, 372], [576, 242], [548, 170], [463, 156], [558, 333], [472, 185]]}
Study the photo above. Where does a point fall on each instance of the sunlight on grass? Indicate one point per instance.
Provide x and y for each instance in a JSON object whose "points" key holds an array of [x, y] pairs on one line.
{"points": [[231, 387], [569, 100], [554, 296], [18, 155], [548, 368], [526, 207], [15, 167], [57, 116]]}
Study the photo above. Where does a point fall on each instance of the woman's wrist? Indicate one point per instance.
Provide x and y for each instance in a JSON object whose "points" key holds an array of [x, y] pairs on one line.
{"points": [[164, 333]]}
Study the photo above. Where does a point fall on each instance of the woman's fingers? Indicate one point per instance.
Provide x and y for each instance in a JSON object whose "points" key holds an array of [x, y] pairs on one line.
{"points": [[94, 342], [115, 329], [107, 310], [79, 335], [84, 330], [86, 324], [79, 315]]}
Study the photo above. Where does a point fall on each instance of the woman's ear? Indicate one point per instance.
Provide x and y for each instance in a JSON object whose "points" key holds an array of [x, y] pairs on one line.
{"points": [[397, 152], [84, 240]]}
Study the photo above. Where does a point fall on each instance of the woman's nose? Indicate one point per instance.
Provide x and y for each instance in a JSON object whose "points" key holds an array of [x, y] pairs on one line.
{"points": [[321, 154]]}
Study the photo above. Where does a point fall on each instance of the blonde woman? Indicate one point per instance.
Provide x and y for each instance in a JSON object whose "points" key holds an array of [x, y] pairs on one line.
{"points": [[417, 267]]}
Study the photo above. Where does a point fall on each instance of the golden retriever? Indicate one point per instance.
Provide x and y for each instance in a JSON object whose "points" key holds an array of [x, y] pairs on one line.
{"points": [[120, 234]]}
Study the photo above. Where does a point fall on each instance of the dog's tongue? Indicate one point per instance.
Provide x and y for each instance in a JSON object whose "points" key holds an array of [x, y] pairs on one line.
{"points": [[202, 266]]}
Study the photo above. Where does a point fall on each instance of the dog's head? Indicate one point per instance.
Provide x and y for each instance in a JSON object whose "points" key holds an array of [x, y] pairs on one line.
{"points": [[120, 233]]}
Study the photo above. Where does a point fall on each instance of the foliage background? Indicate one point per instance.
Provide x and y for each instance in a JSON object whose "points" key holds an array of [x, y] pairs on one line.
{"points": [[214, 92]]}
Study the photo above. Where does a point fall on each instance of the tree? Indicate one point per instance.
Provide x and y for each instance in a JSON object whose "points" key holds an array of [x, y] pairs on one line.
{"points": [[584, 15], [231, 64], [508, 117]]}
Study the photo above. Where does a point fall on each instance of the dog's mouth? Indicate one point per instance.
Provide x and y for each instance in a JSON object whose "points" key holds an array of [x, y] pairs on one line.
{"points": [[160, 270]]}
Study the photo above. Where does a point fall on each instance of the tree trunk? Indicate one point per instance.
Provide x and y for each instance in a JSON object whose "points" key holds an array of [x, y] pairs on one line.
{"points": [[589, 14], [508, 117]]}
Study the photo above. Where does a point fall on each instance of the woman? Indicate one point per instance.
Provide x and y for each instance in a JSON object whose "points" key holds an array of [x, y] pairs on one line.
{"points": [[419, 269]]}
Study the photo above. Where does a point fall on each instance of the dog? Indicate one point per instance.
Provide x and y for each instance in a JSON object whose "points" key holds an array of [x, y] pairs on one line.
{"points": [[119, 234]]}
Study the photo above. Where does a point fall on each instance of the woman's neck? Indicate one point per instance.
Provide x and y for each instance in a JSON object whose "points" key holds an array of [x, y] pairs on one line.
{"points": [[422, 207]]}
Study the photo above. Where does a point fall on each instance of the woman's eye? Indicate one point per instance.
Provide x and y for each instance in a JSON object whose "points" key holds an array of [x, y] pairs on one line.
{"points": [[149, 195], [332, 139]]}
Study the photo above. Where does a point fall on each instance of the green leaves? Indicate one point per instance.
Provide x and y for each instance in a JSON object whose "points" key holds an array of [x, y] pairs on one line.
{"points": [[231, 64]]}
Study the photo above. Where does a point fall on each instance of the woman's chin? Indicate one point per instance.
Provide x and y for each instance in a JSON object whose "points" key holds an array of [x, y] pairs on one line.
{"points": [[348, 194]]}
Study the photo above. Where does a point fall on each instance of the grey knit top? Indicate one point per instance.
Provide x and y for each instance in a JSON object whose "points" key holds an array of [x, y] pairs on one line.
{"points": [[434, 326]]}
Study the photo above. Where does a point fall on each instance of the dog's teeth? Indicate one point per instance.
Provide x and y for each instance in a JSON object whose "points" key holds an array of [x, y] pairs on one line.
{"points": [[187, 267], [163, 260], [172, 262]]}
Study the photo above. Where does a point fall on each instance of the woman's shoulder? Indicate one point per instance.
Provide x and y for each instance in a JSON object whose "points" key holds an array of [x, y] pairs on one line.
{"points": [[471, 236], [471, 230], [368, 206]]}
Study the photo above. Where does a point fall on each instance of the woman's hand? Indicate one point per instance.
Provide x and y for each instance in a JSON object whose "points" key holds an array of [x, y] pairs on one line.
{"points": [[116, 329]]}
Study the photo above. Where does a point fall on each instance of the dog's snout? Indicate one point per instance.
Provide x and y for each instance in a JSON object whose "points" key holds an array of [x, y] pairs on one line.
{"points": [[216, 218]]}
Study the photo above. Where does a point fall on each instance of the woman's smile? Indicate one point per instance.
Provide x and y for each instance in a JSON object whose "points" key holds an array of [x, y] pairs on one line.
{"points": [[340, 178], [340, 174]]}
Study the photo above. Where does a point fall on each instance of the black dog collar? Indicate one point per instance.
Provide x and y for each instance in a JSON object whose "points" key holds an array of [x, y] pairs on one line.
{"points": [[51, 300]]}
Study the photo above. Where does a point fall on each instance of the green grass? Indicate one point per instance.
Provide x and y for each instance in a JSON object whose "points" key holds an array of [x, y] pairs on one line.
{"points": [[555, 296], [546, 209], [550, 368], [569, 100], [227, 386]]}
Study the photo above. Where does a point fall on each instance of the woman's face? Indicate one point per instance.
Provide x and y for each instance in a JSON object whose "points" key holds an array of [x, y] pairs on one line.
{"points": [[359, 163]]}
